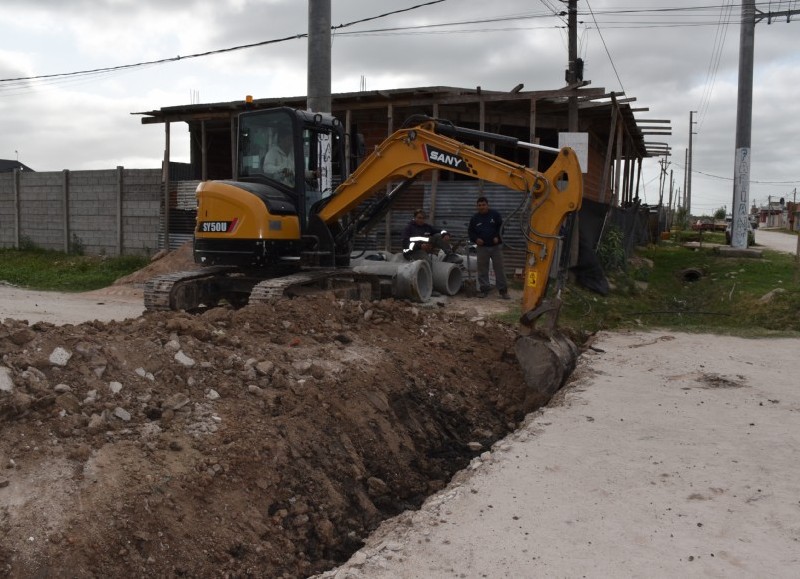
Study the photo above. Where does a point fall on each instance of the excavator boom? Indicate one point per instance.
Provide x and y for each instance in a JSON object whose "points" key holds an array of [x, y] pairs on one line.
{"points": [[552, 195]]}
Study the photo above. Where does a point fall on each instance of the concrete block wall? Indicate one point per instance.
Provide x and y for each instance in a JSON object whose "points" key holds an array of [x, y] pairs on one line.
{"points": [[103, 212], [141, 210], [93, 210], [7, 210], [41, 209]]}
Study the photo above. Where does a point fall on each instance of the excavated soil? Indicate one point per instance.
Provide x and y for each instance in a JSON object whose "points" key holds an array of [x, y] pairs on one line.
{"points": [[262, 442]]}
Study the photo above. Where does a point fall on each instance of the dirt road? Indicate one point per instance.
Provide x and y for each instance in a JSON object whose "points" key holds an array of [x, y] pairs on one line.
{"points": [[777, 240], [115, 303]]}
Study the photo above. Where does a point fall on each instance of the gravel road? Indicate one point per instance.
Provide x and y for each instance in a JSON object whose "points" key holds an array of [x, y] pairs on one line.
{"points": [[114, 303], [777, 240]]}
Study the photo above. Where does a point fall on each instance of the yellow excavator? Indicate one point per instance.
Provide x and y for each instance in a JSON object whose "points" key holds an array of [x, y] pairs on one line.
{"points": [[290, 216]]}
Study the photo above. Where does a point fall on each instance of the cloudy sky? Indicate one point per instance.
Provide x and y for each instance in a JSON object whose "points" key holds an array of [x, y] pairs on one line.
{"points": [[673, 56]]}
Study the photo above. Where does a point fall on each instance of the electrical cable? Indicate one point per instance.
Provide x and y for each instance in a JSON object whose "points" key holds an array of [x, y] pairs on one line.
{"points": [[605, 46], [22, 82], [206, 53]]}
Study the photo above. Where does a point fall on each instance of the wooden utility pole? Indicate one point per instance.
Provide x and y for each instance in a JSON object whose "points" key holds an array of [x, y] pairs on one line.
{"points": [[574, 74], [689, 165]]}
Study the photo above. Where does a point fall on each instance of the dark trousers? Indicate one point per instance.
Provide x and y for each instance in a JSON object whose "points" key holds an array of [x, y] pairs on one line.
{"points": [[495, 255]]}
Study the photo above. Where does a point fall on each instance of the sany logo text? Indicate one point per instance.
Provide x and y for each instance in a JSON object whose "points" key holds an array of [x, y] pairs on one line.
{"points": [[444, 158]]}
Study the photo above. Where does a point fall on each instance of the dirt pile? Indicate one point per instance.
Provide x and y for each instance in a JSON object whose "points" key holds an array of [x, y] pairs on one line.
{"points": [[162, 262], [263, 442]]}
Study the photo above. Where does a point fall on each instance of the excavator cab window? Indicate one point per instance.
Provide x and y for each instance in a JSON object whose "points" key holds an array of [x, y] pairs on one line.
{"points": [[267, 147], [298, 152]]}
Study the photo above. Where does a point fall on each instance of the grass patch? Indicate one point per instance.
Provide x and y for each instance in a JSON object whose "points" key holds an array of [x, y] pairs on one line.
{"points": [[693, 290], [56, 271]]}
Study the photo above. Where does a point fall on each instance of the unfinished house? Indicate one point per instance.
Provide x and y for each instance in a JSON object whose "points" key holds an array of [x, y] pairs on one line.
{"points": [[616, 146]]}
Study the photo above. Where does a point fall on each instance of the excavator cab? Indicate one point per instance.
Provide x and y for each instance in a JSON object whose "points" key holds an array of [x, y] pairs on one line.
{"points": [[287, 160]]}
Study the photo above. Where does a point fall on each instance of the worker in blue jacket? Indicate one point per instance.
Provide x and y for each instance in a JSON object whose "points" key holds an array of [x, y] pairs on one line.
{"points": [[484, 232]]}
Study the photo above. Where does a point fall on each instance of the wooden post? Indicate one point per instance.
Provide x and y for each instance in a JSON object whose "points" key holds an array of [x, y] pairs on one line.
{"points": [[482, 127], [234, 165], [348, 141], [434, 176], [387, 243], [533, 154], [203, 152], [612, 131], [166, 186], [17, 232], [618, 165]]}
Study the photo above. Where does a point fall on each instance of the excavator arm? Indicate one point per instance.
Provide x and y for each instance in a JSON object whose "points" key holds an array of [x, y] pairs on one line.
{"points": [[407, 153]]}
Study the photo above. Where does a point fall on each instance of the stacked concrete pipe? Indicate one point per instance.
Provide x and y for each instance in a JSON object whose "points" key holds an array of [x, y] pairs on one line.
{"points": [[411, 280], [447, 277]]}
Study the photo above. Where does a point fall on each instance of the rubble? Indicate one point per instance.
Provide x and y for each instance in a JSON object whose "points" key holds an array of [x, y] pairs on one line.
{"points": [[266, 441]]}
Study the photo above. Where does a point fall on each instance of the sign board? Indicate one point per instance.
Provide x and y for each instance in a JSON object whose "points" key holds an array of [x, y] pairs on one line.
{"points": [[579, 142]]}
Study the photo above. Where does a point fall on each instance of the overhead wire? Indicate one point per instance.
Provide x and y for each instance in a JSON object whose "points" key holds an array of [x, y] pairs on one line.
{"points": [[605, 46], [23, 84], [20, 82], [713, 66]]}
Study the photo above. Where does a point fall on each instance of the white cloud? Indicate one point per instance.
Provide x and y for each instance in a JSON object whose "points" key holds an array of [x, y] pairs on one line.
{"points": [[87, 124]]}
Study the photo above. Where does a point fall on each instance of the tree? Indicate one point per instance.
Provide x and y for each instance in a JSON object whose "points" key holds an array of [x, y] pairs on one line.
{"points": [[720, 213], [682, 218]]}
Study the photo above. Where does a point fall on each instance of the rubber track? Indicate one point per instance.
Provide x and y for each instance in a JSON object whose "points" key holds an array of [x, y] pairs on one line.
{"points": [[158, 290], [271, 289]]}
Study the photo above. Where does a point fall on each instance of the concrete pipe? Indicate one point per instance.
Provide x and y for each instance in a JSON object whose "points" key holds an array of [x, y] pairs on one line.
{"points": [[447, 277], [411, 280], [546, 362]]}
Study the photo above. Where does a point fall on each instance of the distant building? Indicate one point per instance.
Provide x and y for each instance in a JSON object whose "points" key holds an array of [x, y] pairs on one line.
{"points": [[7, 166]]}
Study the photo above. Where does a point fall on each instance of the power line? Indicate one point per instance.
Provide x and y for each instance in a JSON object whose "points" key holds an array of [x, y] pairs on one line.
{"points": [[111, 69], [23, 84], [611, 60], [713, 66], [790, 182]]}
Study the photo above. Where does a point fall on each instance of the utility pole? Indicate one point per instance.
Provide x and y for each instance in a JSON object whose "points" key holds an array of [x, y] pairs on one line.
{"points": [[744, 117], [318, 98], [685, 176], [689, 165], [668, 212], [575, 68]]}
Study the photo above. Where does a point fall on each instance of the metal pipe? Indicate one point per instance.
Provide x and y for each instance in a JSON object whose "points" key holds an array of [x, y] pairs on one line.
{"points": [[524, 145]]}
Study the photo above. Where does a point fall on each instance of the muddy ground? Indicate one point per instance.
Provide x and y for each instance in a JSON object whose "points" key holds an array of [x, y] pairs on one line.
{"points": [[264, 442]]}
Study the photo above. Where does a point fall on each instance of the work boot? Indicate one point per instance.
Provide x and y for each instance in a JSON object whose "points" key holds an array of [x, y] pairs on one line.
{"points": [[504, 296]]}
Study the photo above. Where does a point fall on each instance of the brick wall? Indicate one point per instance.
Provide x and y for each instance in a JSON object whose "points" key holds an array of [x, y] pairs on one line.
{"points": [[102, 212]]}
